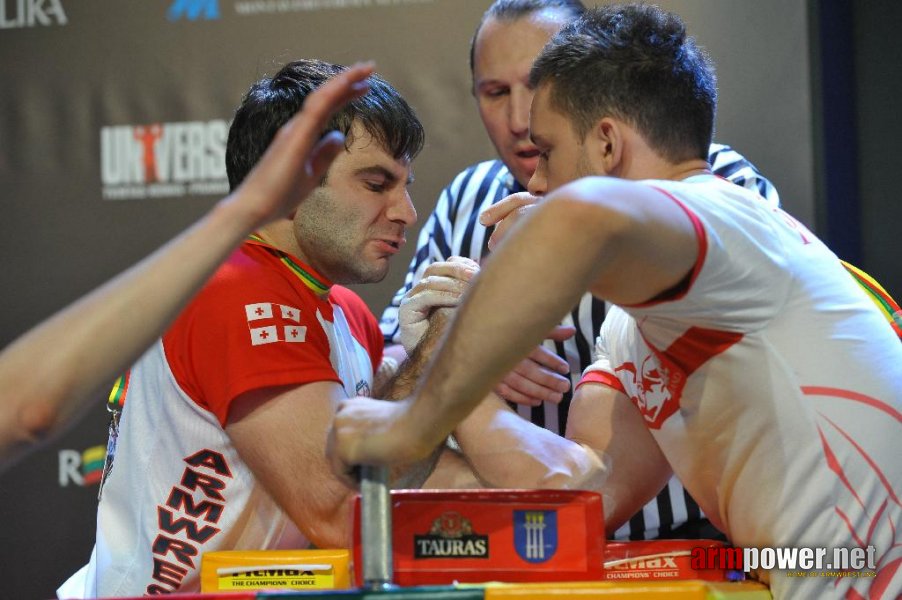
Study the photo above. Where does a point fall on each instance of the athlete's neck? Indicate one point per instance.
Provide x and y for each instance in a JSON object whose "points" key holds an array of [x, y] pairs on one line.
{"points": [[280, 234]]}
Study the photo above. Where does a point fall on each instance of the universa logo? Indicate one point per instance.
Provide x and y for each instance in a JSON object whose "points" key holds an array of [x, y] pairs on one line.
{"points": [[81, 468], [163, 159], [16, 14], [193, 10], [535, 534], [451, 536]]}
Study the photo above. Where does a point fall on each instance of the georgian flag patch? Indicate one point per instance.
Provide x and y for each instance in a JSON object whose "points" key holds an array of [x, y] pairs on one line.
{"points": [[270, 323]]}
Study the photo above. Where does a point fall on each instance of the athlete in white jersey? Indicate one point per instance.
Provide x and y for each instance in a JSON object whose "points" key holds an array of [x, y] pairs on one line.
{"points": [[508, 38], [785, 437], [742, 356]]}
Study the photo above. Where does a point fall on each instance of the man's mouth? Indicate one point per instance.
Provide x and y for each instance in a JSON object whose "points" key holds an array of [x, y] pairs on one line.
{"points": [[529, 153], [395, 243]]}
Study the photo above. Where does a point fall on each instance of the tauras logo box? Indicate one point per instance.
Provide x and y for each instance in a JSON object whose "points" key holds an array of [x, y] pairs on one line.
{"points": [[474, 536]]}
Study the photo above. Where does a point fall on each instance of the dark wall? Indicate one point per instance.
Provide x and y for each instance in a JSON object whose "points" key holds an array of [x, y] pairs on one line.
{"points": [[855, 83], [878, 83]]}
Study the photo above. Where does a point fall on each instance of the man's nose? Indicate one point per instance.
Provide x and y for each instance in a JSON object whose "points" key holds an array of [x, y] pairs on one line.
{"points": [[518, 110], [538, 183], [401, 209]]}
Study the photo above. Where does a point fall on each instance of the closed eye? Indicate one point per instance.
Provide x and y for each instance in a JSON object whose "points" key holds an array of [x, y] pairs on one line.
{"points": [[495, 92]]}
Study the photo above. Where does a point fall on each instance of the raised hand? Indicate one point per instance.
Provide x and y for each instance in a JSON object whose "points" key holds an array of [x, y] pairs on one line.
{"points": [[297, 158]]}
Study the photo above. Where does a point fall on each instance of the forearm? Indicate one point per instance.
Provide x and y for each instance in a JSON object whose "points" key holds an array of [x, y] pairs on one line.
{"points": [[332, 528], [402, 385], [393, 356], [626, 491], [411, 370], [507, 313], [452, 472], [605, 421], [48, 371], [506, 451]]}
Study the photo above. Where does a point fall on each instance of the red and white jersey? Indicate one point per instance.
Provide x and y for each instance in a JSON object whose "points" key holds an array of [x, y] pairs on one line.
{"points": [[178, 487], [773, 386]]}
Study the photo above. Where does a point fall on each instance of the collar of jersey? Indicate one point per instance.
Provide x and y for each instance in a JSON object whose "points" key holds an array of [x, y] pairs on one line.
{"points": [[318, 284]]}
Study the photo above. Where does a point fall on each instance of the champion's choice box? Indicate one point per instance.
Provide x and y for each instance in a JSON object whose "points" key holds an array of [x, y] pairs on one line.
{"points": [[656, 560], [469, 536], [243, 570]]}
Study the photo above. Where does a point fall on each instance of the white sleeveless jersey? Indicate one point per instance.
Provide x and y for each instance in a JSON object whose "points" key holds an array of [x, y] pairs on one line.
{"points": [[773, 386]]}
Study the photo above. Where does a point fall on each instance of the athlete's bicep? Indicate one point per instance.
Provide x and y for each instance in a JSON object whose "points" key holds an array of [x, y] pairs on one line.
{"points": [[281, 434]]}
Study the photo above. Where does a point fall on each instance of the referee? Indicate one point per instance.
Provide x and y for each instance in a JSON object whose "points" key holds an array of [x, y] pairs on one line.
{"points": [[507, 39]]}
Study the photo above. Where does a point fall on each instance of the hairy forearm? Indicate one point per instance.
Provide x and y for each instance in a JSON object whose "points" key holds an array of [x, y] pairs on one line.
{"points": [[393, 356], [507, 313], [409, 372], [401, 386]]}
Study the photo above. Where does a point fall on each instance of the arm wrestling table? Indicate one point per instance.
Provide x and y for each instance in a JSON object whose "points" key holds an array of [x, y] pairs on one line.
{"points": [[477, 545]]}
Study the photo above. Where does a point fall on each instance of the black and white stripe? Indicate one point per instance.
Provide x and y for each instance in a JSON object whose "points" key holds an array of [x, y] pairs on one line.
{"points": [[453, 229]]}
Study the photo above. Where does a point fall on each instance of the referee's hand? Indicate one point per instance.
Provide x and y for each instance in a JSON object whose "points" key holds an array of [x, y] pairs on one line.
{"points": [[543, 376], [505, 214]]}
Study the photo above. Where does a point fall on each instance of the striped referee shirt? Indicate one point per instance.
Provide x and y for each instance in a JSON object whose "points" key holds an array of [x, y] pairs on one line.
{"points": [[453, 229]]}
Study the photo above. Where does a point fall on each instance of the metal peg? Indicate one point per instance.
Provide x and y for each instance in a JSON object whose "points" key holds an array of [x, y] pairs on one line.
{"points": [[375, 525]]}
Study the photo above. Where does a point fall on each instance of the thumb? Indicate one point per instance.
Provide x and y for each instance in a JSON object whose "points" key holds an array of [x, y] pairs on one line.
{"points": [[325, 151]]}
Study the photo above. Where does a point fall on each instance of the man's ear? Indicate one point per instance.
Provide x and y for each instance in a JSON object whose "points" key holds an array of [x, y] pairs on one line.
{"points": [[608, 141]]}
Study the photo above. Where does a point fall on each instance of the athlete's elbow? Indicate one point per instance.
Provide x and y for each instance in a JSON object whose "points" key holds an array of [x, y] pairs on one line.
{"points": [[574, 474], [329, 533], [36, 421]]}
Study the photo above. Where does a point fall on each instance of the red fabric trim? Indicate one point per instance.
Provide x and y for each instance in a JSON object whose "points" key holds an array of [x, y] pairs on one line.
{"points": [[680, 360], [813, 390], [603, 378], [867, 457], [686, 283]]}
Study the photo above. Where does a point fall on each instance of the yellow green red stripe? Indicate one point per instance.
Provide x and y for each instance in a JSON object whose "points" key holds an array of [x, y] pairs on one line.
{"points": [[116, 400], [309, 280], [313, 281], [92, 462], [885, 303]]}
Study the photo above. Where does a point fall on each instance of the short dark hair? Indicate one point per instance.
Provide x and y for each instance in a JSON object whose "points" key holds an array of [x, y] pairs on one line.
{"points": [[634, 62], [511, 10], [271, 102]]}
